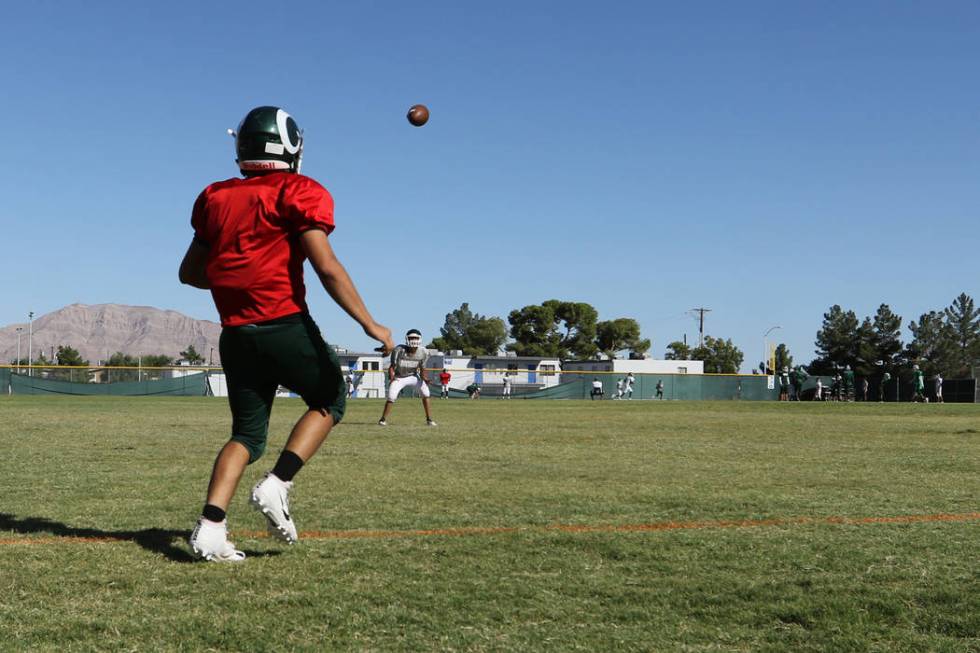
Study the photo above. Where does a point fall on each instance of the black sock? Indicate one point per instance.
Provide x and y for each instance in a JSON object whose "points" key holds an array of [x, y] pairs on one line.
{"points": [[213, 513], [287, 466]]}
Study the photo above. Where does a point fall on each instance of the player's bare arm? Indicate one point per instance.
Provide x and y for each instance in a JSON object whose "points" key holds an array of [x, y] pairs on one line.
{"points": [[340, 287], [193, 270]]}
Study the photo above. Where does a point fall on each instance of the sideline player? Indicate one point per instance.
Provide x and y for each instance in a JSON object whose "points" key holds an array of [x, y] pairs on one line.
{"points": [[784, 384], [848, 383], [796, 379], [268, 338], [407, 369], [918, 385], [596, 389], [444, 377], [507, 384]]}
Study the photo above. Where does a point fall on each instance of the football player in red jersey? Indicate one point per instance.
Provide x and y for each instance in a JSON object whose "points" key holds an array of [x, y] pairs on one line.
{"points": [[251, 237]]}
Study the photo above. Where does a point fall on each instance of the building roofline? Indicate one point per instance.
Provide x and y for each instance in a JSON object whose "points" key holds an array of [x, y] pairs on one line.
{"points": [[504, 358]]}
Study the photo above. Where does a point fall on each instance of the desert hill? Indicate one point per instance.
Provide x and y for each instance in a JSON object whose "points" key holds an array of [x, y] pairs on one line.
{"points": [[100, 330]]}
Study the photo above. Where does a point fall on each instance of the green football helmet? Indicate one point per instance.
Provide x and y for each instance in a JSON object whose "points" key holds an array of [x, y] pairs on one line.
{"points": [[268, 138]]}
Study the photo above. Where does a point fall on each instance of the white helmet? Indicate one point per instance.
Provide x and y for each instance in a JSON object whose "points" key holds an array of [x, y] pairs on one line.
{"points": [[413, 338]]}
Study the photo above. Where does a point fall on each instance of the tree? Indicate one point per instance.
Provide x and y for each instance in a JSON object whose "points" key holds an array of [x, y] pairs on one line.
{"points": [[719, 356], [932, 345], [486, 336], [69, 356], [157, 360], [191, 356], [837, 341], [880, 346], [618, 335], [474, 334], [963, 320], [579, 320], [154, 360], [534, 331], [555, 328], [678, 351], [783, 357], [120, 359], [864, 351]]}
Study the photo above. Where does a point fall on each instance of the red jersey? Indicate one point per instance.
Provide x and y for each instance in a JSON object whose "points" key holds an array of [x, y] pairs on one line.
{"points": [[255, 258], [444, 378]]}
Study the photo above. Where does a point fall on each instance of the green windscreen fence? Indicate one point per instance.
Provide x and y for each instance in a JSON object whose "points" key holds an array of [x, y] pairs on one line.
{"points": [[575, 385], [675, 386], [191, 385]]}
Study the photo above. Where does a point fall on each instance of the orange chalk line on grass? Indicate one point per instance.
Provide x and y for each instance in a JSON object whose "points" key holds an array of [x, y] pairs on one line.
{"points": [[565, 528]]}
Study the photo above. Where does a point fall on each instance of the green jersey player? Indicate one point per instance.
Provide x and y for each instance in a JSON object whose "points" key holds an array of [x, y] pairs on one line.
{"points": [[919, 384]]}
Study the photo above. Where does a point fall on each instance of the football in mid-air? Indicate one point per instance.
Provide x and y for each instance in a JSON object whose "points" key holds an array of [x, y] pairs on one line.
{"points": [[418, 115]]}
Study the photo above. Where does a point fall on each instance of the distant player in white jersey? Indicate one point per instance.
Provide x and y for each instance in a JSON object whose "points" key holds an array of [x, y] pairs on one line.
{"points": [[407, 369], [628, 386], [619, 389], [507, 384]]}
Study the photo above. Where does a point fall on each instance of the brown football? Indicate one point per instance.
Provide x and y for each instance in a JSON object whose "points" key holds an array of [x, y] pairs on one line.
{"points": [[418, 115]]}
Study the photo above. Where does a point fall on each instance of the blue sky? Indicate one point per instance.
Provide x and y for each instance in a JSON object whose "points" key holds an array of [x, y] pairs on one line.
{"points": [[762, 159]]}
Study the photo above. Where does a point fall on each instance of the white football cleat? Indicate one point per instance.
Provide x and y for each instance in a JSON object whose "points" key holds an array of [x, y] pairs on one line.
{"points": [[430, 422], [382, 422], [210, 542], [271, 497]]}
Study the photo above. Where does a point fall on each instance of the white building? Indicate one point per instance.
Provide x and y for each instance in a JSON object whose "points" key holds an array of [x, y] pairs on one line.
{"points": [[527, 373], [637, 366], [365, 371]]}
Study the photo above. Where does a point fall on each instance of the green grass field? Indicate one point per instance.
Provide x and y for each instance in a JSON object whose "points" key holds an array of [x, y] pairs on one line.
{"points": [[513, 526]]}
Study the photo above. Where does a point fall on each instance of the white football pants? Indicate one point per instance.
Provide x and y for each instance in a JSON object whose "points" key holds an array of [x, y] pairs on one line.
{"points": [[399, 384]]}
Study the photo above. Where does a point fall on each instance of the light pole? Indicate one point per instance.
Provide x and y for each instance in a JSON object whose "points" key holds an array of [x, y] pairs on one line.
{"points": [[765, 347], [20, 330], [30, 344]]}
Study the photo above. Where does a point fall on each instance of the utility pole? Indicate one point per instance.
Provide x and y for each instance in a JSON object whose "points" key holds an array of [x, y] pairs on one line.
{"points": [[700, 311], [30, 344], [19, 331]]}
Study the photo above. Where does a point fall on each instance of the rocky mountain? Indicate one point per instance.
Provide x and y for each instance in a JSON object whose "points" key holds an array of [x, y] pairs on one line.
{"points": [[101, 330]]}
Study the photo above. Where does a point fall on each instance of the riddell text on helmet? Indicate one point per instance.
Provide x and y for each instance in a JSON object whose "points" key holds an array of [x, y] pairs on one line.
{"points": [[263, 165]]}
